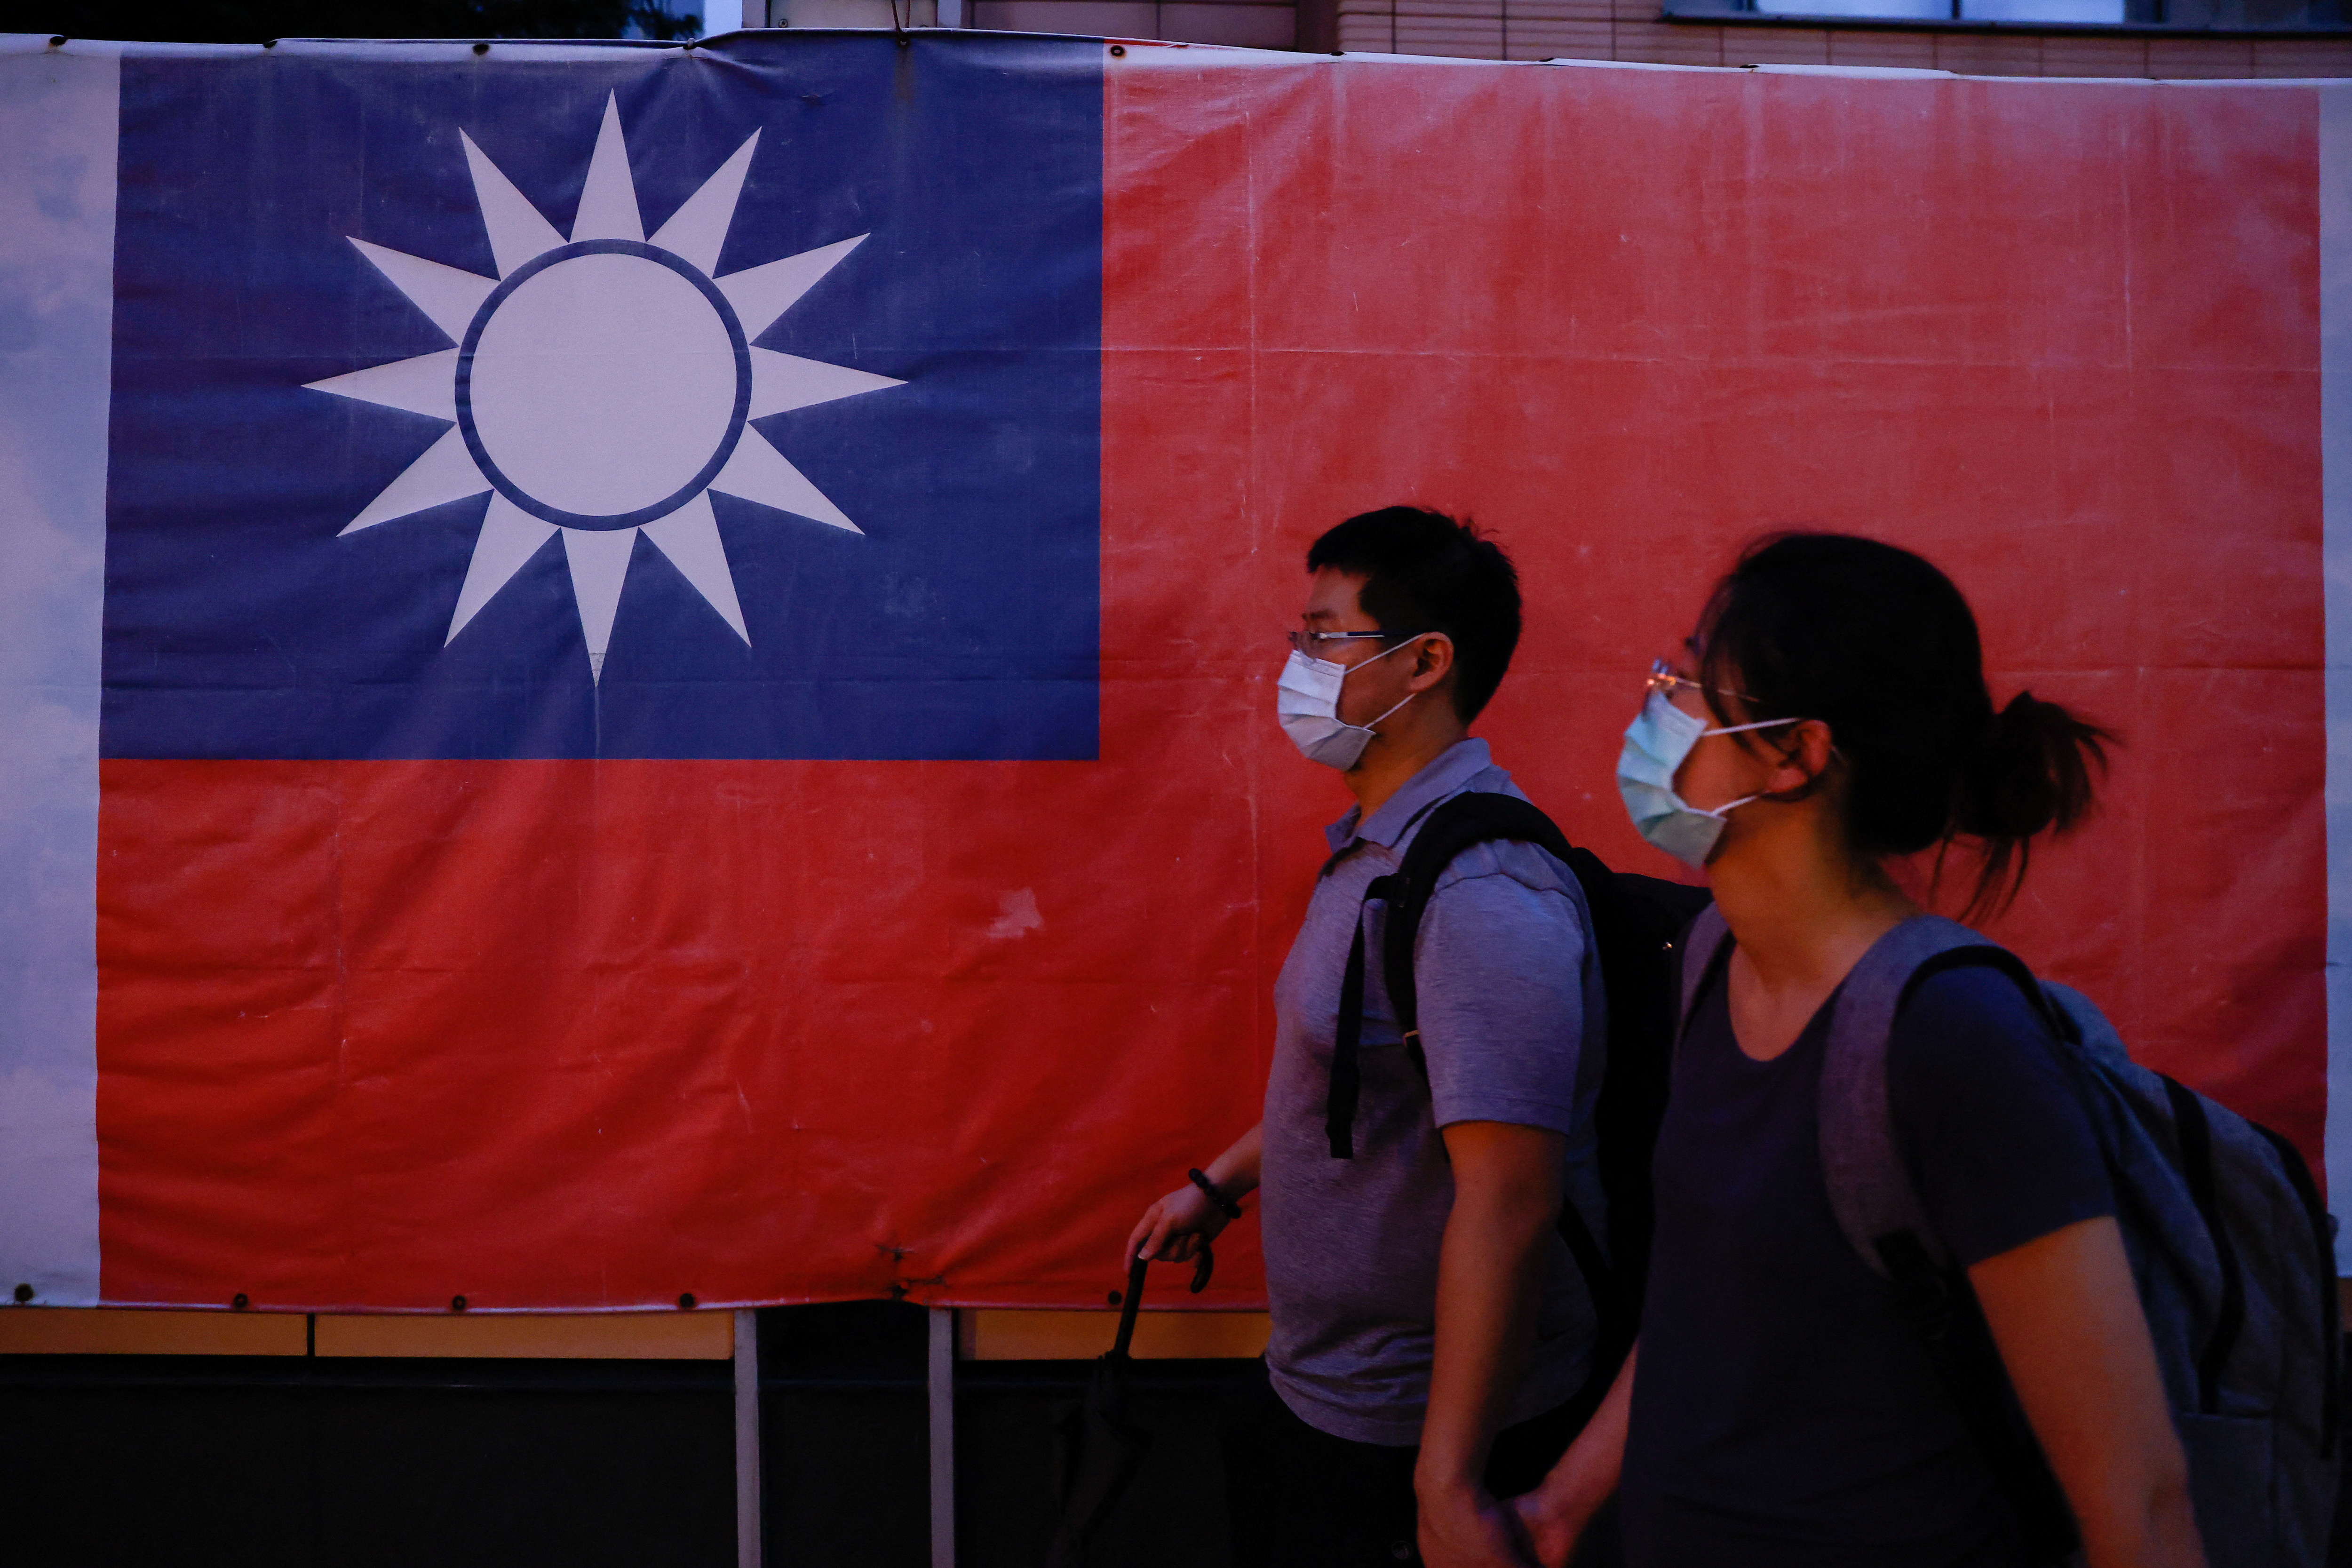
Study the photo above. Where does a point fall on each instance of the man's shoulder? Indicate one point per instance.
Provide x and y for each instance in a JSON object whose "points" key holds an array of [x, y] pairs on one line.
{"points": [[1510, 859]]}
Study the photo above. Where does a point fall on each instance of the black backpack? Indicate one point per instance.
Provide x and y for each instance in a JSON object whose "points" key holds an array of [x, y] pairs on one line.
{"points": [[1637, 922]]}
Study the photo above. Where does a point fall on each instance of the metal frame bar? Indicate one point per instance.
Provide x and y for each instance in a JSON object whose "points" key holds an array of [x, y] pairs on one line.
{"points": [[748, 1529], [940, 1386]]}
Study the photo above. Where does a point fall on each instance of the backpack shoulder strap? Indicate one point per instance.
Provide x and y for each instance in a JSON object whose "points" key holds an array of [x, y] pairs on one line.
{"points": [[1473, 817], [1870, 1186], [1450, 826], [1880, 1212], [1708, 939]]}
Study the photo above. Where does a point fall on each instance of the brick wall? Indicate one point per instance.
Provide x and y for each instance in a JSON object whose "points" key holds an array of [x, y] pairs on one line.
{"points": [[1252, 24], [1634, 30]]}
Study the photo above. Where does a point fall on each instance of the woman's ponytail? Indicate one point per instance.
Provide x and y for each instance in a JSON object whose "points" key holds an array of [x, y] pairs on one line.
{"points": [[2031, 772]]}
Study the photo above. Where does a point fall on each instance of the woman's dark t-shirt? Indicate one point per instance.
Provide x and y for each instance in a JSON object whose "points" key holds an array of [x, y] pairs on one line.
{"points": [[1783, 1413]]}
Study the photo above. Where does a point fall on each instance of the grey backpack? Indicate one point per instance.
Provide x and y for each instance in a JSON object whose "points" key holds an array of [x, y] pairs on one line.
{"points": [[2231, 1250]]}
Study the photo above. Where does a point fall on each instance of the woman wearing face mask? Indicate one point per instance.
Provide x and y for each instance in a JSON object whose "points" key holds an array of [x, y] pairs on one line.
{"points": [[1831, 714]]}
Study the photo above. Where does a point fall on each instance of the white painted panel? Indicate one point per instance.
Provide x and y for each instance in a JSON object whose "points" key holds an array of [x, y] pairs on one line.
{"points": [[59, 115], [2335, 551]]}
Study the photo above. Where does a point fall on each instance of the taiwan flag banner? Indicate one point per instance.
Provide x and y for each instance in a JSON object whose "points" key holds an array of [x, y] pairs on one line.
{"points": [[637, 673]]}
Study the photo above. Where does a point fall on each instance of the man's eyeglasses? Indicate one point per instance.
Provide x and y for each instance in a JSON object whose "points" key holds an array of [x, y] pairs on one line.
{"points": [[1312, 644]]}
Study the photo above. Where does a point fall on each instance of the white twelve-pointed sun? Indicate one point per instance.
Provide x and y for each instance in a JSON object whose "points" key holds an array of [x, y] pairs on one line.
{"points": [[601, 386]]}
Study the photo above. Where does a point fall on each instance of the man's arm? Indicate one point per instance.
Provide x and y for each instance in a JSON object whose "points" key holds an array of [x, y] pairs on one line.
{"points": [[1507, 1198], [1501, 962], [1175, 1227]]}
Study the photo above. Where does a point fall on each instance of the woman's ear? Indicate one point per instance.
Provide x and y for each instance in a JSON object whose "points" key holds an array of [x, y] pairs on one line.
{"points": [[1805, 759]]}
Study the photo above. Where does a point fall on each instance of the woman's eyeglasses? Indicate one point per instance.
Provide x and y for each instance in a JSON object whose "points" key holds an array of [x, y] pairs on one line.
{"points": [[1664, 681]]}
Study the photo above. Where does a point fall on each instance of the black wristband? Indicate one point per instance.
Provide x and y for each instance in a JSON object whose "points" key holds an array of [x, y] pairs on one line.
{"points": [[1226, 1205]]}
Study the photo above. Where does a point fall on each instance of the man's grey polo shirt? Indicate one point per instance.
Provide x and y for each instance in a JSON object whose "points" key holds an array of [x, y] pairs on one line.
{"points": [[1512, 1022]]}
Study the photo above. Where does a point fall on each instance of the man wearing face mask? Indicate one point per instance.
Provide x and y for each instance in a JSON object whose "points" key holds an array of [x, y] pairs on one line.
{"points": [[1430, 1331]]}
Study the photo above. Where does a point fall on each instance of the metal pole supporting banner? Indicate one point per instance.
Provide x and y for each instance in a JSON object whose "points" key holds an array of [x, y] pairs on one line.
{"points": [[747, 1439], [942, 1380]]}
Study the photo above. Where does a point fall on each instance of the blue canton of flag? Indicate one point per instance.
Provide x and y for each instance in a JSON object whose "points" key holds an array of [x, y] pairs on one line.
{"points": [[682, 408]]}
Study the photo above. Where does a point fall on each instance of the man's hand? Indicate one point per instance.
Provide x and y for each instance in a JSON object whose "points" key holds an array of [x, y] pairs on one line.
{"points": [[1464, 1527], [1506, 1191], [1175, 1228]]}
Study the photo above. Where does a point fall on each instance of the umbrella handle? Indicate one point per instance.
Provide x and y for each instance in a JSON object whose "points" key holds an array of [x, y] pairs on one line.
{"points": [[1128, 1306]]}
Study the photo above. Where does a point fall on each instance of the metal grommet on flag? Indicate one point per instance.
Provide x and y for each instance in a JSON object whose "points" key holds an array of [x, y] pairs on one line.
{"points": [[456, 1303], [240, 1302], [24, 1292], [1119, 51], [686, 1301]]}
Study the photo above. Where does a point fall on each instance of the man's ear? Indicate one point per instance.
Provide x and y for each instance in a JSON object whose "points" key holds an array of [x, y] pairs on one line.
{"points": [[1432, 661]]}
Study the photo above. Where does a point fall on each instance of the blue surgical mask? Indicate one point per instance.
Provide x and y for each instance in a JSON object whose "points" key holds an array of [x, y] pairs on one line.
{"points": [[1307, 705], [1656, 742]]}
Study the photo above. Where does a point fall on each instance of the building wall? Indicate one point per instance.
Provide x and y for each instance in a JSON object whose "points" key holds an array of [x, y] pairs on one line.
{"points": [[1249, 24], [1634, 30]]}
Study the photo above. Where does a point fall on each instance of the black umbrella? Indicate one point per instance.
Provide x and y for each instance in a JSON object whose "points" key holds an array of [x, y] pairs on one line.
{"points": [[1097, 1447]]}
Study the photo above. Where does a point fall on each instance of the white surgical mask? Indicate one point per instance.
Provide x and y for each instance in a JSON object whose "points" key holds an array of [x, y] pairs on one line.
{"points": [[1656, 742], [1307, 706]]}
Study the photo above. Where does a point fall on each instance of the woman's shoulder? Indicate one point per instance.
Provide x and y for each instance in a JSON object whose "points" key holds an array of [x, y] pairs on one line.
{"points": [[1983, 1100], [1967, 1042], [1970, 1009]]}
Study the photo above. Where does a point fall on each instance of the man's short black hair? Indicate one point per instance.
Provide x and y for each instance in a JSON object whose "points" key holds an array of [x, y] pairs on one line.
{"points": [[1423, 572]]}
